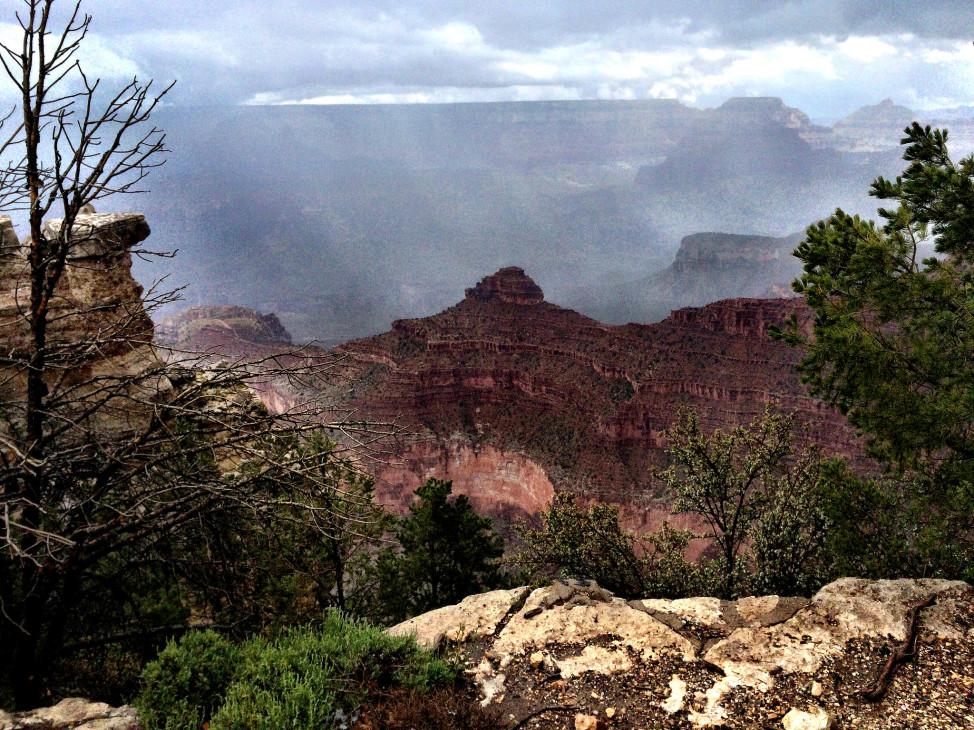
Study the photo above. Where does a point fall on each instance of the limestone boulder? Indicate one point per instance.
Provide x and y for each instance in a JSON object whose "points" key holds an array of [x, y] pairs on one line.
{"points": [[766, 661], [475, 616], [73, 713]]}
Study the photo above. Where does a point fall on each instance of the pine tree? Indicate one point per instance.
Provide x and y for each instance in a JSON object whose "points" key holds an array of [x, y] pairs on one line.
{"points": [[893, 332]]}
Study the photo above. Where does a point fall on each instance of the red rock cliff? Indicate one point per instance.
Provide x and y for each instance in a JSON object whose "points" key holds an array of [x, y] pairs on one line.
{"points": [[513, 397]]}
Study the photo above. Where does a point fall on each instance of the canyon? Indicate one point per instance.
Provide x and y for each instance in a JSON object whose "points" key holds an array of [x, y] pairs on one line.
{"points": [[343, 219], [514, 398]]}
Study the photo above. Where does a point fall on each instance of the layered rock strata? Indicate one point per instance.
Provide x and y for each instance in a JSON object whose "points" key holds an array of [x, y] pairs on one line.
{"points": [[99, 335], [585, 402], [762, 662], [514, 398]]}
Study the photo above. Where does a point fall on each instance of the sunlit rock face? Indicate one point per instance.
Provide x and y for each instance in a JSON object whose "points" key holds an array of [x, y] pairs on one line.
{"points": [[499, 483]]}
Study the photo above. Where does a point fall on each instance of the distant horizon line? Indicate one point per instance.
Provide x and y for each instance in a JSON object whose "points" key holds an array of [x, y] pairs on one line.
{"points": [[953, 113]]}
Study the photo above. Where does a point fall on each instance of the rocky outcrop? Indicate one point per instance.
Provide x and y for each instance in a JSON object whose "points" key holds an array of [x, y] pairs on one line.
{"points": [[98, 327], [73, 714], [96, 296], [508, 285], [764, 662], [207, 325], [713, 266]]}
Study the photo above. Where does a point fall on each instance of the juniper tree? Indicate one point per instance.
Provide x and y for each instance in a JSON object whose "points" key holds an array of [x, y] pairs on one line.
{"points": [[446, 552]]}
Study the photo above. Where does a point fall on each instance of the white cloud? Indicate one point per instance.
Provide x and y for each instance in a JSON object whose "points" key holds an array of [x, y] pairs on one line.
{"points": [[98, 56], [956, 53], [866, 49], [454, 36], [431, 95]]}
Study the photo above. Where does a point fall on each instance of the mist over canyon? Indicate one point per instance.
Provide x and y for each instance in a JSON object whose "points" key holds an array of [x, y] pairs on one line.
{"points": [[344, 218]]}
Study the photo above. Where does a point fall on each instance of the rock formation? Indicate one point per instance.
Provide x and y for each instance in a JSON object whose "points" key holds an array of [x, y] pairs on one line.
{"points": [[507, 285], [204, 326], [73, 714], [763, 662], [587, 403], [872, 128], [513, 397], [713, 266], [98, 327], [96, 296]]}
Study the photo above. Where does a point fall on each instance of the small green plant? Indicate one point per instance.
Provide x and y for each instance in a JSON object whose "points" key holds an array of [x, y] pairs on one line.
{"points": [[307, 677], [187, 682]]}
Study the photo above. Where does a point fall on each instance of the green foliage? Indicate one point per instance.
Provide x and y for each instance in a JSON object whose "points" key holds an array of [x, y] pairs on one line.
{"points": [[187, 682], [446, 552], [584, 543], [306, 677], [759, 498], [892, 336], [669, 574], [590, 543], [312, 547]]}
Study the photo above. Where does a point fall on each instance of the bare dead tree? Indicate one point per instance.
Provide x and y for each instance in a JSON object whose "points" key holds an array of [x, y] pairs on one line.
{"points": [[110, 448]]}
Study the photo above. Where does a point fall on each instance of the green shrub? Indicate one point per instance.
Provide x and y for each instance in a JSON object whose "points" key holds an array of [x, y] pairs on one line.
{"points": [[301, 679], [187, 682]]}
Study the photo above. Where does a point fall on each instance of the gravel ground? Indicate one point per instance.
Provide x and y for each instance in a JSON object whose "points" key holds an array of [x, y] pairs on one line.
{"points": [[933, 690]]}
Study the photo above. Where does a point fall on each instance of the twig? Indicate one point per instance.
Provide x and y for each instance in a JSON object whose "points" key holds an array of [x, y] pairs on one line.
{"points": [[543, 710], [906, 650]]}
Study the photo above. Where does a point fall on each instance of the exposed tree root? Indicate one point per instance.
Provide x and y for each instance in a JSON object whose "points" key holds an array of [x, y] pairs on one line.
{"points": [[906, 650]]}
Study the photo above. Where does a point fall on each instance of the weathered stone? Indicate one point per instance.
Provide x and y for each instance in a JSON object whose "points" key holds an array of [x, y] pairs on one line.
{"points": [[75, 714], [813, 719], [473, 617], [97, 305], [565, 622], [846, 609], [97, 235], [612, 637], [588, 722], [678, 692]]}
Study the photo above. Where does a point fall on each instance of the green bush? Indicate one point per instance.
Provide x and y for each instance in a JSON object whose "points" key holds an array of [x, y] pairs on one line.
{"points": [[304, 678], [187, 682]]}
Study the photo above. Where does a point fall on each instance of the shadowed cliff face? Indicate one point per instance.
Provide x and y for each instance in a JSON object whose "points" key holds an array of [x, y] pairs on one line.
{"points": [[513, 397]]}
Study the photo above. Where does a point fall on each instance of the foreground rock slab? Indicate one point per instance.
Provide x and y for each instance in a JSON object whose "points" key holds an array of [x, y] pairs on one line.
{"points": [[765, 662], [75, 714]]}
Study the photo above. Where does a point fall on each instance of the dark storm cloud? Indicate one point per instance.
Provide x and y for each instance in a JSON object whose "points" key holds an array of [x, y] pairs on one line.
{"points": [[817, 52]]}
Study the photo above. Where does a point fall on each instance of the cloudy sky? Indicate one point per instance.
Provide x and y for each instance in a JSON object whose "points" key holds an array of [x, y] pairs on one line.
{"points": [[827, 57]]}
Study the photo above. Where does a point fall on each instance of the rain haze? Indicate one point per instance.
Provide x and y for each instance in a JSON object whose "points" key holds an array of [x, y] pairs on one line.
{"points": [[348, 163]]}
